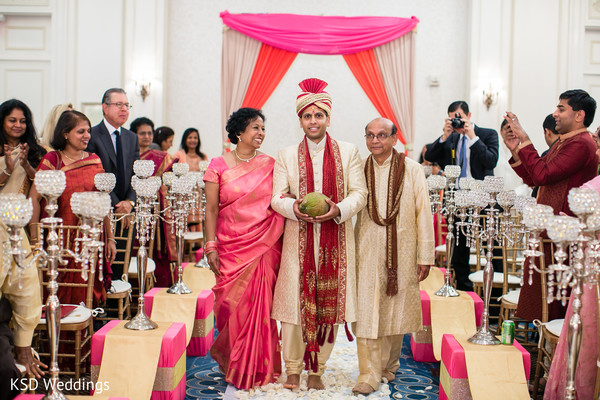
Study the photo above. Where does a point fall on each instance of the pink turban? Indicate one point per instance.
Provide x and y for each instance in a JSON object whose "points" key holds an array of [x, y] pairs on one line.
{"points": [[313, 93]]}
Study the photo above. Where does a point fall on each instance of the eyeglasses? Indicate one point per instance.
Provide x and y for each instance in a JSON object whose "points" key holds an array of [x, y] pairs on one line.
{"points": [[121, 105], [379, 137]]}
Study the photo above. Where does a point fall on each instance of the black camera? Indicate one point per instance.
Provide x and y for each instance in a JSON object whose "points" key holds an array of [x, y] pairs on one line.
{"points": [[456, 122]]}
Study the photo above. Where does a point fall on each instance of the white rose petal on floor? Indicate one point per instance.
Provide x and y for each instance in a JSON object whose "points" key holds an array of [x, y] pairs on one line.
{"points": [[339, 379]]}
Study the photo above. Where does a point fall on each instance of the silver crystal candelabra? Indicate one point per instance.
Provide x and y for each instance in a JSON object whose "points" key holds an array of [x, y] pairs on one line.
{"points": [[180, 201], [145, 216], [584, 268], [579, 238], [16, 211], [436, 183], [203, 263], [492, 185], [448, 210], [535, 217]]}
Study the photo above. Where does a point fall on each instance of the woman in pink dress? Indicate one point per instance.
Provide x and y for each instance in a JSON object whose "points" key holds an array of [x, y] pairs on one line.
{"points": [[587, 370], [243, 246]]}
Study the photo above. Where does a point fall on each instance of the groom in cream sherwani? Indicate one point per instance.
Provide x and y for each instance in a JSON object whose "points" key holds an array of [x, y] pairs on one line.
{"points": [[316, 285]]}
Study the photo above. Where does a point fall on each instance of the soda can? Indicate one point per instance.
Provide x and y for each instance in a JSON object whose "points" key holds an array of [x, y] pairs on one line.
{"points": [[508, 332]]}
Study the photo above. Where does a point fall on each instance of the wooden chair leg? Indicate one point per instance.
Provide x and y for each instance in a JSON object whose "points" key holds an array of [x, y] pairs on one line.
{"points": [[77, 355], [128, 307], [538, 367], [120, 312], [500, 320]]}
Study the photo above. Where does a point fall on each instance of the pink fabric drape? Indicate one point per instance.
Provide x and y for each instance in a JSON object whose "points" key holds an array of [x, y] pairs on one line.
{"points": [[364, 68], [314, 34], [271, 65]]}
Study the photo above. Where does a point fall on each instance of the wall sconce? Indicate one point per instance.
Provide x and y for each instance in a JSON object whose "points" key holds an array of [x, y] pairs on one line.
{"points": [[143, 89], [490, 96]]}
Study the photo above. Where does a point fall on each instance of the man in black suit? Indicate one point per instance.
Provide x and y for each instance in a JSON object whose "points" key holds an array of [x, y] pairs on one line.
{"points": [[117, 147], [475, 149]]}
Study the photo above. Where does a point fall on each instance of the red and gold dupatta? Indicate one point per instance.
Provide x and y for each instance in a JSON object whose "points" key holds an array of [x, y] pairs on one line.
{"points": [[323, 289]]}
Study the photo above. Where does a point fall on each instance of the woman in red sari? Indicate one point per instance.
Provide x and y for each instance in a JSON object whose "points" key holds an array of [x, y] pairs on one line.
{"points": [[70, 140], [243, 248], [164, 244]]}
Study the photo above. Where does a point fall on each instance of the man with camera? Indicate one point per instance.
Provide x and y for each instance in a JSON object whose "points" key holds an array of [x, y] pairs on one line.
{"points": [[475, 150]]}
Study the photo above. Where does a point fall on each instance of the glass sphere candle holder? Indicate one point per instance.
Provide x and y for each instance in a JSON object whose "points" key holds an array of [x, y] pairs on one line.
{"points": [[452, 171], [105, 182], [180, 169], [143, 168], [50, 184]]}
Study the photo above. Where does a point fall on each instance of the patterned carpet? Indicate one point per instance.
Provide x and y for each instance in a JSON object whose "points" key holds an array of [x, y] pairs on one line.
{"points": [[414, 380]]}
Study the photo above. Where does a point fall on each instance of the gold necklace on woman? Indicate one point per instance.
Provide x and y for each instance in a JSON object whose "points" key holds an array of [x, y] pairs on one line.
{"points": [[64, 154], [244, 159]]}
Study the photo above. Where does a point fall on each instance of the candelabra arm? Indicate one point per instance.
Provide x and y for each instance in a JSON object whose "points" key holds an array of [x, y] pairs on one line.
{"points": [[203, 263], [575, 329], [447, 290], [122, 217], [180, 216]]}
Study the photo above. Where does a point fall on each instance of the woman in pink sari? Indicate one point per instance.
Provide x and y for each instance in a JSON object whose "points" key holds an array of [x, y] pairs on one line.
{"points": [[586, 377], [70, 140], [243, 248]]}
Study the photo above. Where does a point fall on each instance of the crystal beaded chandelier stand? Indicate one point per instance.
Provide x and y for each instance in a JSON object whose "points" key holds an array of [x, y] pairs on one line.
{"points": [[585, 203], [16, 211], [145, 216], [492, 185], [452, 172], [105, 182], [535, 217], [180, 202], [203, 263], [580, 236], [436, 183]]}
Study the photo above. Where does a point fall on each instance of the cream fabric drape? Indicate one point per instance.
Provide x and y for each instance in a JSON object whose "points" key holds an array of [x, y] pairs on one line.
{"points": [[239, 58], [396, 64]]}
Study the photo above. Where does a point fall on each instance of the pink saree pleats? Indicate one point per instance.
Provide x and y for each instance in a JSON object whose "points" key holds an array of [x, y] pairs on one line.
{"points": [[249, 245]]}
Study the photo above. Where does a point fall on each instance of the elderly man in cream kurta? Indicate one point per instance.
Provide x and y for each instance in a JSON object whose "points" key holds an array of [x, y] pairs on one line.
{"points": [[23, 308], [316, 285], [397, 211]]}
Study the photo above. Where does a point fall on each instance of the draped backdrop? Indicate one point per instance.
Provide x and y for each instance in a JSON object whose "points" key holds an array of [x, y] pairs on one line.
{"points": [[260, 48]]}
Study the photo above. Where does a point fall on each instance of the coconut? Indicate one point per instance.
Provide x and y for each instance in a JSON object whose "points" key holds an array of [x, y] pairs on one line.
{"points": [[314, 204]]}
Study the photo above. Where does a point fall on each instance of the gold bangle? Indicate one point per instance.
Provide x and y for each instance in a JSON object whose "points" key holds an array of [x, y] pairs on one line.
{"points": [[5, 173]]}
